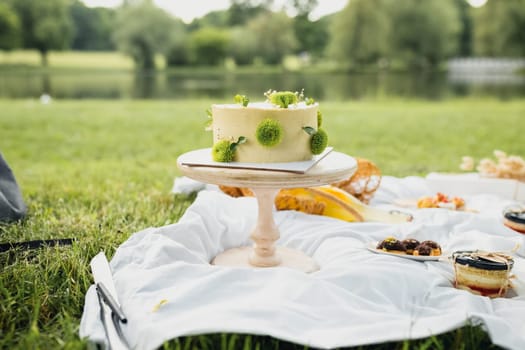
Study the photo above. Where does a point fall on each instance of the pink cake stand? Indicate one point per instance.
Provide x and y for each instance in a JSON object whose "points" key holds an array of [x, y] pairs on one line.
{"points": [[265, 185]]}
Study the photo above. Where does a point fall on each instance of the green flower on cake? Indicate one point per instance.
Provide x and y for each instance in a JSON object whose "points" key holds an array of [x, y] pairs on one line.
{"points": [[319, 119], [283, 98], [269, 132], [224, 150], [318, 140], [242, 99], [209, 123], [221, 151]]}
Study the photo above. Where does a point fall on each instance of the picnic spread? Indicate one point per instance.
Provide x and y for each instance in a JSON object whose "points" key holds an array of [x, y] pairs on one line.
{"points": [[362, 292]]}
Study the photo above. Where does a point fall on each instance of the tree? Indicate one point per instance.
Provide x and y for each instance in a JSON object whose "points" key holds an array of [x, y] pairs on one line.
{"points": [[499, 28], [209, 46], [211, 19], [92, 27], [179, 48], [424, 32], [241, 11], [274, 34], [46, 25], [359, 33], [243, 45], [143, 30], [465, 36], [9, 28], [302, 7], [311, 36]]}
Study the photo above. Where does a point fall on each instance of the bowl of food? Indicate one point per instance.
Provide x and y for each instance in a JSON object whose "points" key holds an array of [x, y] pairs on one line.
{"points": [[482, 273]]}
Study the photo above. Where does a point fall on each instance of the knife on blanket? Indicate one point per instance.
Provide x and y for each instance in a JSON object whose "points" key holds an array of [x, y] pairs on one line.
{"points": [[110, 312]]}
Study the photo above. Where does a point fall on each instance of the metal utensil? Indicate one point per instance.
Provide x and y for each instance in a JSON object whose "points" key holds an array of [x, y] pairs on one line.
{"points": [[111, 314]]}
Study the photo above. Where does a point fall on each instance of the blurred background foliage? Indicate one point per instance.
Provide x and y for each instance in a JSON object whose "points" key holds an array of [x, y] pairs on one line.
{"points": [[366, 34]]}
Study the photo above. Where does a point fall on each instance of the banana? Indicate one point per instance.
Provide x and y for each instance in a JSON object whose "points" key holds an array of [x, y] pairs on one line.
{"points": [[334, 202], [326, 200], [316, 200], [285, 201]]}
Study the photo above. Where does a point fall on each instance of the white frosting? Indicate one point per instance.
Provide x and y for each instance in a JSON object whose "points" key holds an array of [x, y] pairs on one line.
{"points": [[265, 105]]}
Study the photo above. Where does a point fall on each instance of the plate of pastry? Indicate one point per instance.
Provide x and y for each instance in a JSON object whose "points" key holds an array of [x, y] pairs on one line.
{"points": [[439, 200], [409, 248]]}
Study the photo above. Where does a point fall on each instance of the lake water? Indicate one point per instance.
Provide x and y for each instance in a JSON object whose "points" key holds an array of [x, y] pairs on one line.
{"points": [[339, 87]]}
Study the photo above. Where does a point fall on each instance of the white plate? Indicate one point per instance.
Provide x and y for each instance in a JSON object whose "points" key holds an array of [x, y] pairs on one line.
{"points": [[372, 247]]}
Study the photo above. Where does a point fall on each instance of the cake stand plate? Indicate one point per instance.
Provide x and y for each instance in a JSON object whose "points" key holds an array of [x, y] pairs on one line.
{"points": [[265, 184], [201, 157]]}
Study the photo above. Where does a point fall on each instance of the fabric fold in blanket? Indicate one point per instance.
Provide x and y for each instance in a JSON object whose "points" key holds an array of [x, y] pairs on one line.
{"points": [[167, 288]]}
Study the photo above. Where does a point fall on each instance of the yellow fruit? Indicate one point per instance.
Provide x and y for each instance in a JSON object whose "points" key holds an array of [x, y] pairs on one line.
{"points": [[316, 200], [334, 202]]}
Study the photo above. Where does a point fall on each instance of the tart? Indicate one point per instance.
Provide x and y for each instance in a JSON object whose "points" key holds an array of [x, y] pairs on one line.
{"points": [[482, 273], [514, 218]]}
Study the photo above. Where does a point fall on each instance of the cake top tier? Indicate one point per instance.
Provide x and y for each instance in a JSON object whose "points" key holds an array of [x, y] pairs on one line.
{"points": [[266, 105], [274, 99]]}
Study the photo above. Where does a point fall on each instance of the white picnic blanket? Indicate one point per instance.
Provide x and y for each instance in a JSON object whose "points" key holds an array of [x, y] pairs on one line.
{"points": [[357, 297]]}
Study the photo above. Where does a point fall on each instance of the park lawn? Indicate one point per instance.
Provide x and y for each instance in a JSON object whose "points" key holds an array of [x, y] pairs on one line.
{"points": [[105, 60], [101, 170], [89, 61]]}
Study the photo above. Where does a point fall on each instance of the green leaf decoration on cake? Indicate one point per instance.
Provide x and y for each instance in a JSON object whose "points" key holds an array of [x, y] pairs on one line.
{"points": [[240, 141], [242, 99], [283, 98], [309, 101], [209, 122], [224, 150], [309, 130], [269, 132], [318, 140]]}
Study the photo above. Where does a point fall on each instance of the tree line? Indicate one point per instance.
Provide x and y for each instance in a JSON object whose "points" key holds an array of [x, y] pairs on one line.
{"points": [[366, 33]]}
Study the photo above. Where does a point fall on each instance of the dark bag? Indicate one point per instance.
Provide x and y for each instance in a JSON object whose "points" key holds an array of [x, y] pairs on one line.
{"points": [[12, 206]]}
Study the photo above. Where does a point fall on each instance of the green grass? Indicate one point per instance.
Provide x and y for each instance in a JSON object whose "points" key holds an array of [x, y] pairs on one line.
{"points": [[71, 60], [68, 59], [102, 170], [105, 61], [96, 62]]}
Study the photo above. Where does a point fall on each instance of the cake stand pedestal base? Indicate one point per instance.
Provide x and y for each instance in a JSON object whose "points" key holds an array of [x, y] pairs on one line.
{"points": [[240, 257], [265, 184]]}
